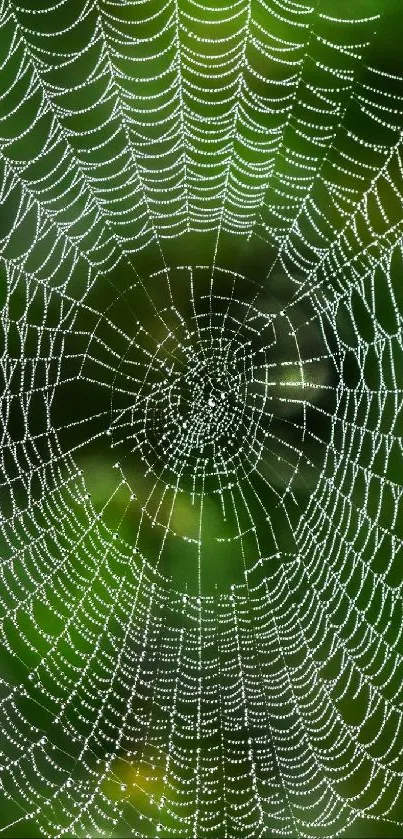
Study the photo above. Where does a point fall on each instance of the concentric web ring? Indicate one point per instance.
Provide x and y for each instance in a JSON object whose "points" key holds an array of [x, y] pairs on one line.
{"points": [[216, 400]]}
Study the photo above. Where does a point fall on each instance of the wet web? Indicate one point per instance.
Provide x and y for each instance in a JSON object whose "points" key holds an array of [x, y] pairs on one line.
{"points": [[201, 419]]}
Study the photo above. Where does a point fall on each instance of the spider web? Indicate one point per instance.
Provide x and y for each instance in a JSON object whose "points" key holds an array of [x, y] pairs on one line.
{"points": [[201, 418]]}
